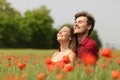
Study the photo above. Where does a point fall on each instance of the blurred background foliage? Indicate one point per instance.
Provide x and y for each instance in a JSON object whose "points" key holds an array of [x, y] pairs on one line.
{"points": [[34, 29]]}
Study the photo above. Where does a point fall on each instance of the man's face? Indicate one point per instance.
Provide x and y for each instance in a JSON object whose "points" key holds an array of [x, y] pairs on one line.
{"points": [[81, 26]]}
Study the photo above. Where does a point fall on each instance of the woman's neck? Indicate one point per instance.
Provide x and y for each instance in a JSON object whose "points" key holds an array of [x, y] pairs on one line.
{"points": [[64, 47]]}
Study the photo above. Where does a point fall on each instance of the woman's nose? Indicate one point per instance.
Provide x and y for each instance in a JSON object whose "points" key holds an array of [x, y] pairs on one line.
{"points": [[59, 32]]}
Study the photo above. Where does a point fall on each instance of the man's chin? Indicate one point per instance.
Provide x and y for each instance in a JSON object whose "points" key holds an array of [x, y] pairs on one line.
{"points": [[77, 33]]}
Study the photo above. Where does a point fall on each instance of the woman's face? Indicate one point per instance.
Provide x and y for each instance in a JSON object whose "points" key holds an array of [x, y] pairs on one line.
{"points": [[64, 34]]}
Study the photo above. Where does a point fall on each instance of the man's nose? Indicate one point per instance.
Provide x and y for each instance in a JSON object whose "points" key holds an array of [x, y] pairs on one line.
{"points": [[76, 24]]}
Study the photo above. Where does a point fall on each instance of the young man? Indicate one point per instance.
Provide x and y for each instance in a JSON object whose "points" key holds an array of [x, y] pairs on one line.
{"points": [[87, 48]]}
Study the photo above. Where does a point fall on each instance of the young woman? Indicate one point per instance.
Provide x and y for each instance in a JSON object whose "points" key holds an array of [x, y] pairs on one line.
{"points": [[67, 48]]}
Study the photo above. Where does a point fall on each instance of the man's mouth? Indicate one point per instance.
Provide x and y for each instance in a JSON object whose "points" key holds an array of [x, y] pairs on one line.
{"points": [[77, 28]]}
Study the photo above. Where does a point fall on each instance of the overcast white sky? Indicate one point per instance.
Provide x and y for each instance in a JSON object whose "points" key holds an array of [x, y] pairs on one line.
{"points": [[106, 12]]}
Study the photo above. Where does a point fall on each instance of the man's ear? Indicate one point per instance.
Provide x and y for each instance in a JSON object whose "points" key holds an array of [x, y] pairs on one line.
{"points": [[89, 27], [70, 38]]}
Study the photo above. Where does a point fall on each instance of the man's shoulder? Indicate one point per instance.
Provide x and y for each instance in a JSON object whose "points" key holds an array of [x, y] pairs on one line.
{"points": [[92, 46], [91, 43]]}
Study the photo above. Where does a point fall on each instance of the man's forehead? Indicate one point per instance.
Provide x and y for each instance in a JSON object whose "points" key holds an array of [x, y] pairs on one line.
{"points": [[81, 18]]}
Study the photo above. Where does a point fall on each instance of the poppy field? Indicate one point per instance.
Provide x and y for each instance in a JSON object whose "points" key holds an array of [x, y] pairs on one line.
{"points": [[31, 64]]}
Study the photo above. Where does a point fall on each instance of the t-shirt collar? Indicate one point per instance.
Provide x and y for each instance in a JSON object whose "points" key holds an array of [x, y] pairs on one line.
{"points": [[83, 42]]}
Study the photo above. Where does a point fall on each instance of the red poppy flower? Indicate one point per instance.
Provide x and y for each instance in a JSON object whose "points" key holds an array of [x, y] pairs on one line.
{"points": [[51, 67], [119, 61], [66, 59], [115, 74], [9, 58], [60, 65], [48, 61], [21, 65], [40, 76], [8, 65], [68, 68], [106, 52], [90, 59]]}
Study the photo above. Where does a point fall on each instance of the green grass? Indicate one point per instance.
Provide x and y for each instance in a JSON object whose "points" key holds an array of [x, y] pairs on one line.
{"points": [[38, 57], [27, 51]]}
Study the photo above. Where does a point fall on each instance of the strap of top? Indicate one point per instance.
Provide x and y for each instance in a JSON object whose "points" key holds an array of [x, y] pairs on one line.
{"points": [[57, 53]]}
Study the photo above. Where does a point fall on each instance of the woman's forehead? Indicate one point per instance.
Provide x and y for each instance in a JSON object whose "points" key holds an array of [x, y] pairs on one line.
{"points": [[65, 28]]}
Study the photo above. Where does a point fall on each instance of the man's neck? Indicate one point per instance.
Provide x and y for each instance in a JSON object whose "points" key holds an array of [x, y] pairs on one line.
{"points": [[81, 37]]}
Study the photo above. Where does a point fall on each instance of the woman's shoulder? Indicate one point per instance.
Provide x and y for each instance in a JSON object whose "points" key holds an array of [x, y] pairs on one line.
{"points": [[71, 52], [55, 53]]}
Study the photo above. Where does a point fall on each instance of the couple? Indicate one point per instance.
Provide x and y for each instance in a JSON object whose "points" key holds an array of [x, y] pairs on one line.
{"points": [[75, 41]]}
